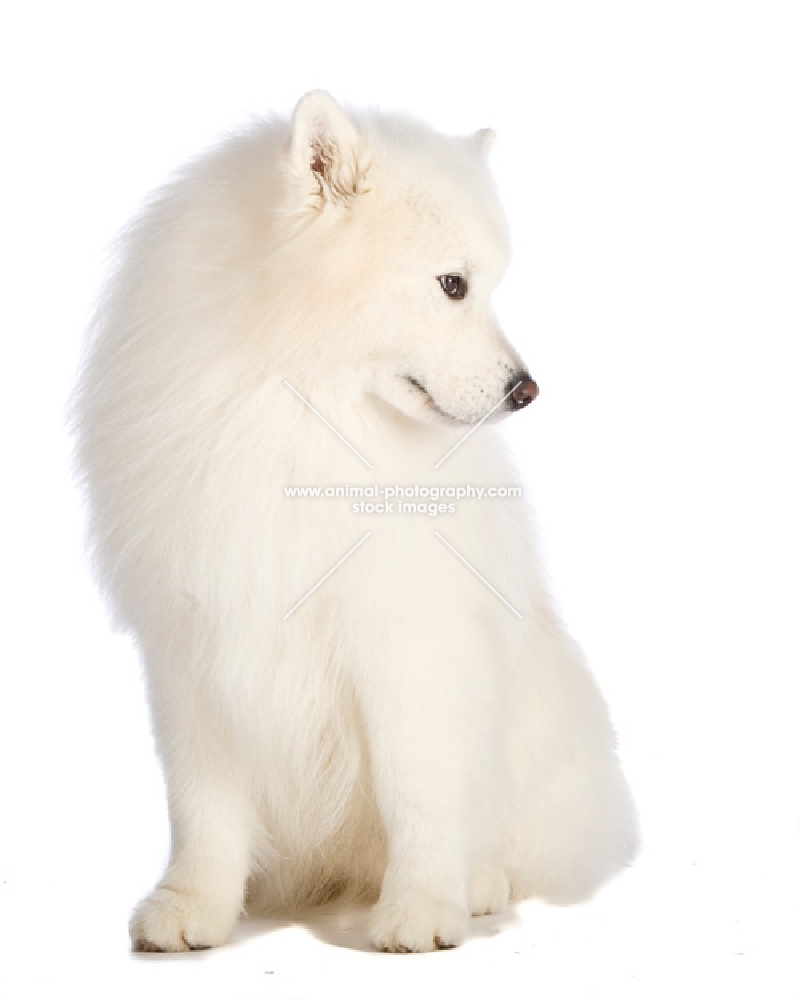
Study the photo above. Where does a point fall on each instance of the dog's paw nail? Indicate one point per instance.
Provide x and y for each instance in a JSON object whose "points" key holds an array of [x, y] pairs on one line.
{"points": [[417, 923], [172, 920]]}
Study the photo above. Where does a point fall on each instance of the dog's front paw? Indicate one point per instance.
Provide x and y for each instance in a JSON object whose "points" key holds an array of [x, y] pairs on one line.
{"points": [[417, 922], [488, 891], [179, 920]]}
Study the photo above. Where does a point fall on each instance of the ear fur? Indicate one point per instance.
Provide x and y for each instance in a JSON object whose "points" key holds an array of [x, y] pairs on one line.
{"points": [[326, 148], [483, 140]]}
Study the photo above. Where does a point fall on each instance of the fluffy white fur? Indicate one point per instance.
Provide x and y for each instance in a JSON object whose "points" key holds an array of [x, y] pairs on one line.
{"points": [[402, 737]]}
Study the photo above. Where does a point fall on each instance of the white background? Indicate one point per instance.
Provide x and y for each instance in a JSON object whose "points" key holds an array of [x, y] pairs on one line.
{"points": [[648, 157]]}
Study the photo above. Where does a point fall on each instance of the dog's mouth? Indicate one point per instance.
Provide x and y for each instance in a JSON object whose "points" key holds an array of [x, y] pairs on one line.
{"points": [[431, 402]]}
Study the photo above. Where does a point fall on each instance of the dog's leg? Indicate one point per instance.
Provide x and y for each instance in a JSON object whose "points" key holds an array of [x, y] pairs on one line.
{"points": [[488, 890], [197, 902], [422, 742], [578, 822]]}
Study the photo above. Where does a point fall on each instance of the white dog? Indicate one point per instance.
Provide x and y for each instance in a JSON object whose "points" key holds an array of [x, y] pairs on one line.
{"points": [[308, 298]]}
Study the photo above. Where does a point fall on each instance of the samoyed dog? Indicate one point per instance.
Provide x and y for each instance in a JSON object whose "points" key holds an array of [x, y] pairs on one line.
{"points": [[350, 700]]}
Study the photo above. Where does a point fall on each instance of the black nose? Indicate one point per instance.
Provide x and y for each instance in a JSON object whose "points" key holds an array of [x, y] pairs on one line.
{"points": [[521, 390]]}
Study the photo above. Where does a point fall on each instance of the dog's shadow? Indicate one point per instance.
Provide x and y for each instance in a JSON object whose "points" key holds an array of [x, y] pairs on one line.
{"points": [[346, 926]]}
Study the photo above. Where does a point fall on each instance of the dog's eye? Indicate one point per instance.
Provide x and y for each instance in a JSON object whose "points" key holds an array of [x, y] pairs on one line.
{"points": [[454, 286]]}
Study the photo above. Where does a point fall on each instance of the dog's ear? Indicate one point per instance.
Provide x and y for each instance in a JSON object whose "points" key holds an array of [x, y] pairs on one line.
{"points": [[326, 147], [483, 140]]}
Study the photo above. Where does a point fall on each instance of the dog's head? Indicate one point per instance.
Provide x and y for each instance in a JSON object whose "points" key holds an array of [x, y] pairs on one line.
{"points": [[403, 241]]}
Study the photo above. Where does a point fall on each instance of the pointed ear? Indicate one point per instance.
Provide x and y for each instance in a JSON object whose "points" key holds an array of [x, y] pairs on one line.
{"points": [[326, 147], [483, 140]]}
